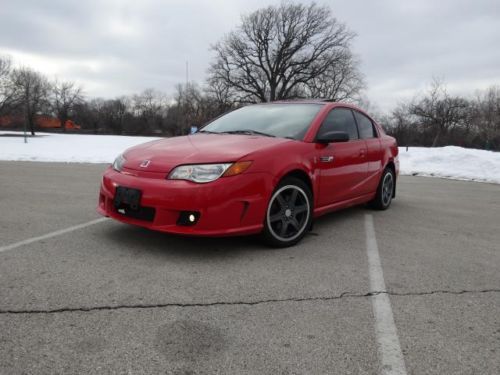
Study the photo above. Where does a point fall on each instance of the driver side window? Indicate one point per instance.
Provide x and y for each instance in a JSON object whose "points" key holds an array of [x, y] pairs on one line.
{"points": [[340, 120]]}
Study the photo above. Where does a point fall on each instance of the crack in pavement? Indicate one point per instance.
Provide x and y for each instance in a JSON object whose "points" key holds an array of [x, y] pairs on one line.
{"points": [[243, 303]]}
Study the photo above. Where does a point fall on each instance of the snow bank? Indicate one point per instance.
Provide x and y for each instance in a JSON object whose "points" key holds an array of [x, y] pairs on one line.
{"points": [[451, 162], [447, 162], [70, 148]]}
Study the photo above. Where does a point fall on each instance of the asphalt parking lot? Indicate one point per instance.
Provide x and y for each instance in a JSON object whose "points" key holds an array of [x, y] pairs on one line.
{"points": [[109, 298]]}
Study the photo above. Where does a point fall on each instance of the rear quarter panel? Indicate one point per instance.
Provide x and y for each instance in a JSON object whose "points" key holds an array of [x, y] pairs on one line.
{"points": [[391, 151]]}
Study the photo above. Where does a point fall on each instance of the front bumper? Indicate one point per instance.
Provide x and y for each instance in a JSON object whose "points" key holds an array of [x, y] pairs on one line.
{"points": [[228, 206]]}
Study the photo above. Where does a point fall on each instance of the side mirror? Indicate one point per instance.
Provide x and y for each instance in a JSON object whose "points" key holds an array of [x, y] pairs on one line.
{"points": [[331, 137], [194, 129]]}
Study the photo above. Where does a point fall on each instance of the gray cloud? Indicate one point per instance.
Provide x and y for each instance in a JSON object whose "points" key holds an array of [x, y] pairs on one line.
{"points": [[119, 47]]}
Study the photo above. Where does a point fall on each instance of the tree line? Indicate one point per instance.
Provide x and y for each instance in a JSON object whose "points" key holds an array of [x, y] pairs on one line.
{"points": [[279, 52], [26, 94], [437, 118]]}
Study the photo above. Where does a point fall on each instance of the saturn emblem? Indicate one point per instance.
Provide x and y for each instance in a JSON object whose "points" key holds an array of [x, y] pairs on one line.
{"points": [[145, 163]]}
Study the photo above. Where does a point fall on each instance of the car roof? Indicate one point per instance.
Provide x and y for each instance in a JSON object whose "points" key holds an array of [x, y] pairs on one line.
{"points": [[329, 102], [292, 101]]}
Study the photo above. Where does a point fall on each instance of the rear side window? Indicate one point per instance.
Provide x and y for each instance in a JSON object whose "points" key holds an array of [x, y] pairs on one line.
{"points": [[340, 120], [365, 126]]}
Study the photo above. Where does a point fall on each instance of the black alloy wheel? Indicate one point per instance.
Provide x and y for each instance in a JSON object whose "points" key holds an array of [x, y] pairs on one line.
{"points": [[385, 190], [289, 213]]}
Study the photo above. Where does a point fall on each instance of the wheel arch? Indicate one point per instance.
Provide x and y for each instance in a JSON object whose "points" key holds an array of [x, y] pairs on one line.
{"points": [[301, 175]]}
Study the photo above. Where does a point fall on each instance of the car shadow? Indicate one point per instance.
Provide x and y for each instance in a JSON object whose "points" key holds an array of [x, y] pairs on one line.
{"points": [[135, 241], [332, 220]]}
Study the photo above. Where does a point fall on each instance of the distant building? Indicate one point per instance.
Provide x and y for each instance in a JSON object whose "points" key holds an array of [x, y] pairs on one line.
{"points": [[41, 122]]}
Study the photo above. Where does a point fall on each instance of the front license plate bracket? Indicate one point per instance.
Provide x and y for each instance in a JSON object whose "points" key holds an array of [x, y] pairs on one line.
{"points": [[128, 197]]}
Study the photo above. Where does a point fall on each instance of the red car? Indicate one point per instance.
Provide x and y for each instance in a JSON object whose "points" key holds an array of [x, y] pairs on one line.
{"points": [[265, 168]]}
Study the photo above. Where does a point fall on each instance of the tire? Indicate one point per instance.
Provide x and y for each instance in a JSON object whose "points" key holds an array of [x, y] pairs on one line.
{"points": [[385, 190], [289, 213]]}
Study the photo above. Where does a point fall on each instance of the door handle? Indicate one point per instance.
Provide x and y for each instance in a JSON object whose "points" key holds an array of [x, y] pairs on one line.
{"points": [[362, 152], [326, 159]]}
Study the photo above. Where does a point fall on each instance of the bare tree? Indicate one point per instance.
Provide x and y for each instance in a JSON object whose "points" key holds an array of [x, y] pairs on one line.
{"points": [[194, 106], [33, 91], [279, 50], [150, 107], [340, 82], [64, 97], [439, 112], [8, 92], [486, 112], [112, 114], [403, 125], [220, 94], [187, 109], [86, 114]]}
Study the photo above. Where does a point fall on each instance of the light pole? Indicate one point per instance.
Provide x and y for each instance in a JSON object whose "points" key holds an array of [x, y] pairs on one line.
{"points": [[25, 126]]}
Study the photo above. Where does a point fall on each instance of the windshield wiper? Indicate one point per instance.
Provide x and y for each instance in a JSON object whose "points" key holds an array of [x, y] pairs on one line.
{"points": [[206, 131], [249, 132]]}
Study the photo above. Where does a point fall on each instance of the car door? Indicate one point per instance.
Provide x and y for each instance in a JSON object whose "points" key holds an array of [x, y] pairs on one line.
{"points": [[368, 133], [342, 165]]}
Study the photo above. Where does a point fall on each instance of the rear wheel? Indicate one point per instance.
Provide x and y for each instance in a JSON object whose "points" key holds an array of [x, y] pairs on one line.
{"points": [[289, 213], [385, 190]]}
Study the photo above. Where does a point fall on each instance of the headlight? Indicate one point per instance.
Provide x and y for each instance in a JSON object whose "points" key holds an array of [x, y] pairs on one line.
{"points": [[202, 173], [118, 163]]}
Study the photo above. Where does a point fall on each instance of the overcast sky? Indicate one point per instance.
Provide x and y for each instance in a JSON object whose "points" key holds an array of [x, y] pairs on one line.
{"points": [[118, 47]]}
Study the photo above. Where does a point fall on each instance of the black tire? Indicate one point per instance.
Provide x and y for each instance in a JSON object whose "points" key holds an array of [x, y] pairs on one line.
{"points": [[288, 214], [385, 190]]}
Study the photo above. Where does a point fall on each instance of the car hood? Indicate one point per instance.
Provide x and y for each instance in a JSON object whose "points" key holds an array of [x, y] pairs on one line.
{"points": [[165, 154]]}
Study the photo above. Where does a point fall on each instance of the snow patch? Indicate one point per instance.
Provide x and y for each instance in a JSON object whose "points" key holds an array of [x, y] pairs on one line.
{"points": [[68, 148], [451, 162]]}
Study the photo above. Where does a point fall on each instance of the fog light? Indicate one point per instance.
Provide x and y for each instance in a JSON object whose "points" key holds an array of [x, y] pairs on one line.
{"points": [[188, 218]]}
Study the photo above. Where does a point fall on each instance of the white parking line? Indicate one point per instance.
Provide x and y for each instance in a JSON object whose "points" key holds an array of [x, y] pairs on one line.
{"points": [[391, 357], [51, 234]]}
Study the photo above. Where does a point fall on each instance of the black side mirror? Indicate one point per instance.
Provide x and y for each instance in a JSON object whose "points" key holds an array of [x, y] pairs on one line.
{"points": [[334, 136]]}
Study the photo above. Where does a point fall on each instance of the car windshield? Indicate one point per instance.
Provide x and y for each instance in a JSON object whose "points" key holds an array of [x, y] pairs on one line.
{"points": [[276, 120]]}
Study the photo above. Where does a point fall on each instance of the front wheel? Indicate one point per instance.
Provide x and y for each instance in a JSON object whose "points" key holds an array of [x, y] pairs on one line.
{"points": [[385, 190], [289, 213]]}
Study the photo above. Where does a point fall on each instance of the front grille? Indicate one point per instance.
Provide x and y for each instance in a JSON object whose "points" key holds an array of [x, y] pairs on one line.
{"points": [[142, 213]]}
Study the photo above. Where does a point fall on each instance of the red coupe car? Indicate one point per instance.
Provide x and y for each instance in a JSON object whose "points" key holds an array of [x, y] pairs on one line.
{"points": [[265, 168]]}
